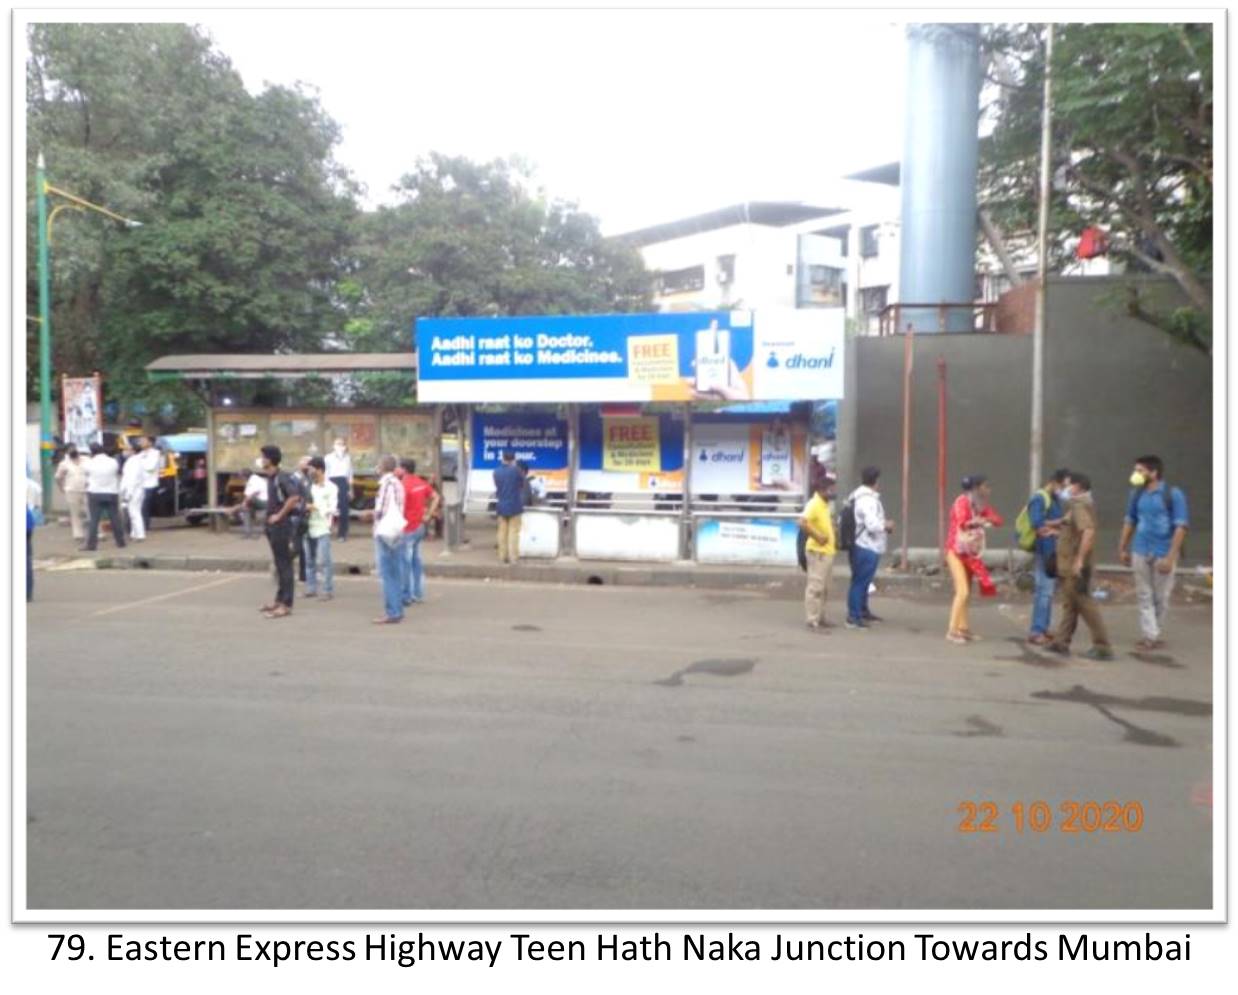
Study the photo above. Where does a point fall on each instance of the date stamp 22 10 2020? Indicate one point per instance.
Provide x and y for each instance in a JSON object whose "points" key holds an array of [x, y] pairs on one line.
{"points": [[1041, 817]]}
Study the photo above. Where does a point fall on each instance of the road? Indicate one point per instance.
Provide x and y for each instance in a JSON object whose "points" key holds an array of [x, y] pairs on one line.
{"points": [[538, 747]]}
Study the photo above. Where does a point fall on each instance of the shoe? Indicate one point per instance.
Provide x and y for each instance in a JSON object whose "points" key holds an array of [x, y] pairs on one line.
{"points": [[1099, 653], [280, 611], [816, 627], [870, 617], [856, 623], [386, 620], [956, 638], [1058, 648], [309, 594], [269, 608]]}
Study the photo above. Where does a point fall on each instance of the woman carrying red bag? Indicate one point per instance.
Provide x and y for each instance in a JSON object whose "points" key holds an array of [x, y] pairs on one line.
{"points": [[970, 515]]}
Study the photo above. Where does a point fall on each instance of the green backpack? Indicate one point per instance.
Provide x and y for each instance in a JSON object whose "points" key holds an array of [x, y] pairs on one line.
{"points": [[1024, 530]]}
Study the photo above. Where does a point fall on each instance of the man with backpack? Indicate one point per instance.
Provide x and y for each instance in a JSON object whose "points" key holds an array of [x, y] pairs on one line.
{"points": [[1151, 544], [285, 508], [1036, 532], [863, 528]]}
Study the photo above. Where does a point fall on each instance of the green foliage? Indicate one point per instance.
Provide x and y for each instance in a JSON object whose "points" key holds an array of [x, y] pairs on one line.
{"points": [[245, 215], [1132, 137], [470, 239]]}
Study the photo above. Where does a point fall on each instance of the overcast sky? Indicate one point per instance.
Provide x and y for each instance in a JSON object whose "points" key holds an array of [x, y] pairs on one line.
{"points": [[640, 116]]}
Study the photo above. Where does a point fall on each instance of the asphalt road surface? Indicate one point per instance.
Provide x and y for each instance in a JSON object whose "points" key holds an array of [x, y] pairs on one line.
{"points": [[539, 747]]}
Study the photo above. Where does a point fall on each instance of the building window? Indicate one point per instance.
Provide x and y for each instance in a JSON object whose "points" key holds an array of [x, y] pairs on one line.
{"points": [[824, 287], [869, 242], [682, 281], [874, 299]]}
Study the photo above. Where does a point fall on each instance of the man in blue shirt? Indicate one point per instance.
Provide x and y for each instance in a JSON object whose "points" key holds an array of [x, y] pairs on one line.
{"points": [[1152, 535], [1044, 510], [509, 500]]}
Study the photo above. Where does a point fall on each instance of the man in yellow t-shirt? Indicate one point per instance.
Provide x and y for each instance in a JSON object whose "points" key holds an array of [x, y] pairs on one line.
{"points": [[818, 522]]}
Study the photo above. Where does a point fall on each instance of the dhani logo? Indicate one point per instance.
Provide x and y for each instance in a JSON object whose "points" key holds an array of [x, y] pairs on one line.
{"points": [[721, 456], [801, 362]]}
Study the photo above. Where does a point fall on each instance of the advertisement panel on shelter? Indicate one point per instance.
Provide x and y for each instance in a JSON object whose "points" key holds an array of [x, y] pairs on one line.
{"points": [[746, 457], [538, 439], [629, 453], [83, 410], [780, 354]]}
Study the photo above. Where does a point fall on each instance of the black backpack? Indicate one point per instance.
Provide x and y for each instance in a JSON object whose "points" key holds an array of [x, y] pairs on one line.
{"points": [[846, 526]]}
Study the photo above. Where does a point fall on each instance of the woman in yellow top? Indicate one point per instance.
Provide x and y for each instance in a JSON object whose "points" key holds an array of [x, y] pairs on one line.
{"points": [[818, 522]]}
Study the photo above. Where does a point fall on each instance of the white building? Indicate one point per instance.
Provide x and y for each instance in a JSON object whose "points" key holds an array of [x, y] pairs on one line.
{"points": [[792, 254]]}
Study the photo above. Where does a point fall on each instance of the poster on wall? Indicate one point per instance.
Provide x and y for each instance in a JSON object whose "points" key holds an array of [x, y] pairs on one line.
{"points": [[410, 436], [776, 354], [360, 432], [539, 439], [753, 540], [82, 398], [238, 437], [744, 457], [630, 454]]}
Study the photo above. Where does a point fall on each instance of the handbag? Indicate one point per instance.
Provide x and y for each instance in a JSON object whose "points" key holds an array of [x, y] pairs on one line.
{"points": [[390, 526]]}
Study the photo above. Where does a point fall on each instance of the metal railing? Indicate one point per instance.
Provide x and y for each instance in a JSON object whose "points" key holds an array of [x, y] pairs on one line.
{"points": [[982, 317]]}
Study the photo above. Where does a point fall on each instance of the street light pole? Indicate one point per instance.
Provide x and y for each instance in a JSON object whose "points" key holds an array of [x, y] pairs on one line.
{"points": [[41, 189], [45, 342]]}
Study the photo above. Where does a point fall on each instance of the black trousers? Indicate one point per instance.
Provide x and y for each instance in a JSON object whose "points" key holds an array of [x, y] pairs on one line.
{"points": [[148, 505], [100, 505], [281, 536], [341, 485]]}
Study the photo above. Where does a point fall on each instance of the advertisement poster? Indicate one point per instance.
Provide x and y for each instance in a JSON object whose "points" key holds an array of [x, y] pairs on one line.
{"points": [[766, 541], [539, 439], [630, 445], [360, 431], [779, 354], [643, 474], [744, 457], [83, 410]]}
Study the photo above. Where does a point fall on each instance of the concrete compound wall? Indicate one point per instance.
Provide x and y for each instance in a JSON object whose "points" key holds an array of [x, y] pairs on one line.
{"points": [[1114, 388]]}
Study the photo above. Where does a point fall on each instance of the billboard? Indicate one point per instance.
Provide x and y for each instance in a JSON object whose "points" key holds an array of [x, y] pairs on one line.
{"points": [[744, 457], [538, 439], [779, 354], [83, 411]]}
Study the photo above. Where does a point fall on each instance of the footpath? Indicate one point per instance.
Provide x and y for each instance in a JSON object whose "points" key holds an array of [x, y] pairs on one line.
{"points": [[176, 546]]}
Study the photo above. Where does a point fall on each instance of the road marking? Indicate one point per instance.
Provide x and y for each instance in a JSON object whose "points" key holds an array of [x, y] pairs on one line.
{"points": [[164, 597]]}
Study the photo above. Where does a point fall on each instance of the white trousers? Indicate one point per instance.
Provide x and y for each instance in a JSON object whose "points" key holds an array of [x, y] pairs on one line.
{"points": [[133, 505]]}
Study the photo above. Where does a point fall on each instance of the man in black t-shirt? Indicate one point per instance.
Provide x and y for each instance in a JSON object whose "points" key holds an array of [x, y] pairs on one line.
{"points": [[284, 499]]}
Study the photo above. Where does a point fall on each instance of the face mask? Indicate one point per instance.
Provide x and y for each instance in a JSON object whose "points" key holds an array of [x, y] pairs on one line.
{"points": [[1064, 494], [260, 464], [1138, 479], [339, 449]]}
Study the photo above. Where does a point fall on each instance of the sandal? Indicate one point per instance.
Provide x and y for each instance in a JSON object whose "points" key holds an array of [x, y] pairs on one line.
{"points": [[280, 611], [268, 608], [956, 637], [386, 620]]}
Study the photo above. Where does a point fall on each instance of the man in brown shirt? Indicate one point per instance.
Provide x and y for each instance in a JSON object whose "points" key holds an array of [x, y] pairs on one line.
{"points": [[1075, 551]]}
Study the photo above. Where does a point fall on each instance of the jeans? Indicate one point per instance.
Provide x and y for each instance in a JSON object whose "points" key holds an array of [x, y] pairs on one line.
{"points": [[1152, 591], [413, 588], [281, 536], [1042, 601], [863, 570], [101, 504], [389, 560], [341, 485], [317, 558]]}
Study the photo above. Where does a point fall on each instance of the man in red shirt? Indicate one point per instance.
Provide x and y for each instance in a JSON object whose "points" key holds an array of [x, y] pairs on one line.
{"points": [[421, 503]]}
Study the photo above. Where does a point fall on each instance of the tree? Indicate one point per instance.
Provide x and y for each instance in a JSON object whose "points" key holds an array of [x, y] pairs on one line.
{"points": [[470, 238], [1132, 137], [246, 216]]}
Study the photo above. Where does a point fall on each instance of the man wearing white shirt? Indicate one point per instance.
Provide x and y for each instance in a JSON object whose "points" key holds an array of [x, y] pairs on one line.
{"points": [[871, 529], [133, 494], [102, 495], [151, 459], [339, 472]]}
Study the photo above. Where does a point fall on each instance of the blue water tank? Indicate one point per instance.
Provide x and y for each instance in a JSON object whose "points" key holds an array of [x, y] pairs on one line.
{"points": [[937, 262]]}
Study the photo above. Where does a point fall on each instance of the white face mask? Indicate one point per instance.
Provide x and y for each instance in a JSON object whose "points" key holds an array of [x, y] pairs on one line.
{"points": [[339, 448]]}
